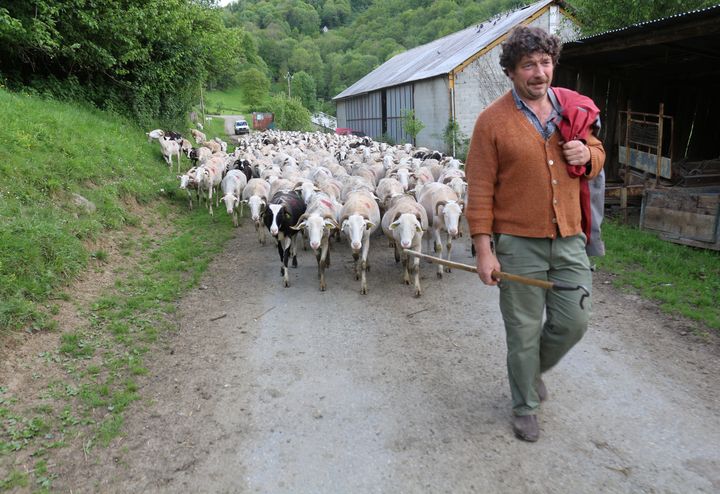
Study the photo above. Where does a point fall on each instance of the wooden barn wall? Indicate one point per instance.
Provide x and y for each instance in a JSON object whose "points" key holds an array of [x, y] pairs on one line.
{"points": [[694, 106]]}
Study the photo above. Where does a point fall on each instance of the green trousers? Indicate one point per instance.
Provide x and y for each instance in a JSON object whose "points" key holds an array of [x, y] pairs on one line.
{"points": [[534, 346]]}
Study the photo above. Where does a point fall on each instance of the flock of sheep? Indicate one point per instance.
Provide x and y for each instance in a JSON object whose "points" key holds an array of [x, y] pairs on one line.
{"points": [[327, 186]]}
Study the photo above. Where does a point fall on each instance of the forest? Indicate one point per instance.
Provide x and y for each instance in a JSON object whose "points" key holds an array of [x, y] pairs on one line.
{"points": [[150, 60]]}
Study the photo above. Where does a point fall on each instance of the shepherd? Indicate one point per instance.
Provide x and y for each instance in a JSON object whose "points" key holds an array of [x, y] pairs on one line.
{"points": [[524, 212]]}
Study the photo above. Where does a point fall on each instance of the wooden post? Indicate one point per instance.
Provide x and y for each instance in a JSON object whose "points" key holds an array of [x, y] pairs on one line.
{"points": [[658, 164], [626, 178]]}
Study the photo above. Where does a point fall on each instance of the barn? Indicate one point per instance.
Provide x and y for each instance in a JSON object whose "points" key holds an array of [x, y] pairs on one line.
{"points": [[450, 79]]}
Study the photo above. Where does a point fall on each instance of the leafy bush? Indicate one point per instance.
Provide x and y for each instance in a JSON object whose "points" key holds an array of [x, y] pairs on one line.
{"points": [[254, 85], [411, 124], [290, 114], [143, 59], [455, 139]]}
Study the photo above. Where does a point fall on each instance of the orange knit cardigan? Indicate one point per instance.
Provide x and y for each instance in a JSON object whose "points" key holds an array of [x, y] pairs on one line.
{"points": [[518, 183]]}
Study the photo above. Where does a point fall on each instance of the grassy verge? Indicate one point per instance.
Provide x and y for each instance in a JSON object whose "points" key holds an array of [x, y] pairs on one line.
{"points": [[53, 153], [226, 102], [215, 127], [685, 280], [80, 390]]}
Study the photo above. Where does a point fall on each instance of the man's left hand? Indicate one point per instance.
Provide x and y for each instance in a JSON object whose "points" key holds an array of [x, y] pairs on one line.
{"points": [[576, 152]]}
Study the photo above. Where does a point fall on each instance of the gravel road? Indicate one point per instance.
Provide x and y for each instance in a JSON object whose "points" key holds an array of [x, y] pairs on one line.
{"points": [[291, 390]]}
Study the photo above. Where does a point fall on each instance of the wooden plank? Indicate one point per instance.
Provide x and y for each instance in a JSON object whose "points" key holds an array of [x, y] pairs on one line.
{"points": [[680, 223], [690, 242], [645, 161], [630, 191]]}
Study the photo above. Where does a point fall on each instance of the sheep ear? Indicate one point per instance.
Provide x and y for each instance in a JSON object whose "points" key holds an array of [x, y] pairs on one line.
{"points": [[331, 223], [344, 224], [299, 226], [369, 225]]}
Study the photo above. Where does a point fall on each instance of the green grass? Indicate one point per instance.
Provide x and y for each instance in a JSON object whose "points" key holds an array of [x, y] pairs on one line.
{"points": [[226, 102], [55, 150], [52, 151], [684, 280]]}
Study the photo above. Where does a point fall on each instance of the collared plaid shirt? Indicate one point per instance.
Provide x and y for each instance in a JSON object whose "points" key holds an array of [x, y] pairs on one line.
{"points": [[550, 125]]}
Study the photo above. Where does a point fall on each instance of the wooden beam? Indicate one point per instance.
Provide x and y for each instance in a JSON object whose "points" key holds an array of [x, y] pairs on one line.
{"points": [[645, 37]]}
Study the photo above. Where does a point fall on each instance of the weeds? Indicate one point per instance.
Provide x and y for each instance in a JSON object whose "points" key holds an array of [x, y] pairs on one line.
{"points": [[684, 280]]}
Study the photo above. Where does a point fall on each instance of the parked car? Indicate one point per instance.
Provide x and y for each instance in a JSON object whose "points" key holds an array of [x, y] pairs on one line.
{"points": [[241, 127]]}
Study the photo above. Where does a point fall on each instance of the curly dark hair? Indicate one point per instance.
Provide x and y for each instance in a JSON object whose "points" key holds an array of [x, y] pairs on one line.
{"points": [[526, 40]]}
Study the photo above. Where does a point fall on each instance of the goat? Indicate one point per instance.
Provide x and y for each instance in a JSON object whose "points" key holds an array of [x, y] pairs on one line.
{"points": [[198, 136], [284, 211], [170, 148]]}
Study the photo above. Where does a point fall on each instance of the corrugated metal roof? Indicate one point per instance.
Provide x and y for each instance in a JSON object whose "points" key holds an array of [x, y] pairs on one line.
{"points": [[442, 55], [654, 23]]}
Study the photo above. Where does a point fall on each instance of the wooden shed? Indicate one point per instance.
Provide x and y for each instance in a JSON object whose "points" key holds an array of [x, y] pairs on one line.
{"points": [[657, 84]]}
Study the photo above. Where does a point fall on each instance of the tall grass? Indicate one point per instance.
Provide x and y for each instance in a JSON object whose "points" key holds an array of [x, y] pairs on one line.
{"points": [[50, 152], [685, 280]]}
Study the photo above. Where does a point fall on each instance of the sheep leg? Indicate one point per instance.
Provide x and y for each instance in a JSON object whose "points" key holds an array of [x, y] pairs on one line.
{"points": [[416, 272], [293, 248], [449, 243], [438, 250], [356, 257], [364, 263], [287, 246]]}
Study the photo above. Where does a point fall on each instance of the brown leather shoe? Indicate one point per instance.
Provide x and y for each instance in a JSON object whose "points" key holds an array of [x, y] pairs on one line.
{"points": [[526, 427], [541, 390]]}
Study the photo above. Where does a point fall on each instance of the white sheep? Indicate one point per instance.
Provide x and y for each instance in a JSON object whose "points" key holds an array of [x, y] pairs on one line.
{"points": [[360, 217], [443, 209], [404, 224], [232, 187], [170, 148]]}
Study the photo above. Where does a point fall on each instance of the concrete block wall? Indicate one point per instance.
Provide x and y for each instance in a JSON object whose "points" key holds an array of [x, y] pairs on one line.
{"points": [[483, 81]]}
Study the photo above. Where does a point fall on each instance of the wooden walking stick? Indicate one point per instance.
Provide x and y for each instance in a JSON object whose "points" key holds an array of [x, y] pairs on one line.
{"points": [[500, 275]]}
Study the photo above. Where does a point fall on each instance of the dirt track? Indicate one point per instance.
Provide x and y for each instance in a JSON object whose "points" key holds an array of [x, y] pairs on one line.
{"points": [[296, 390]]}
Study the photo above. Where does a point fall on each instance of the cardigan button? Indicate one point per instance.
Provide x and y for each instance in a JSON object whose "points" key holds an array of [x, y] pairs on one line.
{"points": [[551, 162], [554, 201], [554, 220], [554, 182]]}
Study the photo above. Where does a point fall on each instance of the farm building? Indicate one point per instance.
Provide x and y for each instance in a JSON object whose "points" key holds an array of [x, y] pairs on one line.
{"points": [[657, 85], [451, 78]]}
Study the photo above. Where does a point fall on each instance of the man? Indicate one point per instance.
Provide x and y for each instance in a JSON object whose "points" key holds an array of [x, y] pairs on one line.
{"points": [[522, 195]]}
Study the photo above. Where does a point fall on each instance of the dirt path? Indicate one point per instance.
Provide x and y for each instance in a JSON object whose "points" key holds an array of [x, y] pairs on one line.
{"points": [[296, 390]]}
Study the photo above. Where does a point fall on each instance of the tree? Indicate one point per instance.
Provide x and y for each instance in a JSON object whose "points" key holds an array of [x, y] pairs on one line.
{"points": [[602, 16], [254, 85], [289, 113], [303, 87], [145, 59], [411, 124]]}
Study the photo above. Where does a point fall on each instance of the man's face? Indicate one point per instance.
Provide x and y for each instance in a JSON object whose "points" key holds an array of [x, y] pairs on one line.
{"points": [[532, 76]]}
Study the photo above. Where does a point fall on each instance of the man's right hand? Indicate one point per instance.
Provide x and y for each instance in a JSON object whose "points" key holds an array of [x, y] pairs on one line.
{"points": [[486, 260]]}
